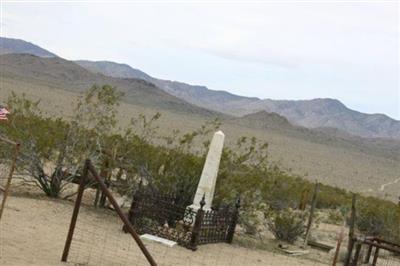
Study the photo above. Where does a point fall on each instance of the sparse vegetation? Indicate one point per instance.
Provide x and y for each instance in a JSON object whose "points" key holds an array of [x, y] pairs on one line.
{"points": [[335, 216], [287, 225], [55, 148]]}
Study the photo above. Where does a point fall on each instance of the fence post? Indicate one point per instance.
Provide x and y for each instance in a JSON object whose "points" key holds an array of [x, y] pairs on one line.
{"points": [[197, 225], [339, 243], [357, 253], [310, 219], [134, 209], [351, 230], [74, 217], [303, 200], [368, 256], [9, 178], [232, 226]]}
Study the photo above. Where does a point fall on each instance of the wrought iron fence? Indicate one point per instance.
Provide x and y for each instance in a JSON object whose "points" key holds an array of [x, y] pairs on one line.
{"points": [[166, 215], [373, 251]]}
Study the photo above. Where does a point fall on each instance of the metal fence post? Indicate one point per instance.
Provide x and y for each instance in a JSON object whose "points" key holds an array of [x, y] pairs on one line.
{"points": [[9, 177], [232, 226], [78, 202], [197, 225], [134, 209]]}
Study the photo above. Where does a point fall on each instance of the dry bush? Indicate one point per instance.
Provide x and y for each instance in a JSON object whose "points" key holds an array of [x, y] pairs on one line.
{"points": [[287, 225]]}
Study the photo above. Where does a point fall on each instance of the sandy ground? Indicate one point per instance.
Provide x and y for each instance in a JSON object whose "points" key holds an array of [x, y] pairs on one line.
{"points": [[33, 232]]}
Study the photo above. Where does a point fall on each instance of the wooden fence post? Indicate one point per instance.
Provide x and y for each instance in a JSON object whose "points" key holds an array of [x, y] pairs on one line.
{"points": [[351, 230], [232, 226], [303, 200], [311, 217], [197, 225]]}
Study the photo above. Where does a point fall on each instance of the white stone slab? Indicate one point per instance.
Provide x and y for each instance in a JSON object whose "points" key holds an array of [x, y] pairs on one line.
{"points": [[159, 240]]}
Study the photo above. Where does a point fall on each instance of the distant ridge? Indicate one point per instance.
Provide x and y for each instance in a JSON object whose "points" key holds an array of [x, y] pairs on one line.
{"points": [[16, 46], [314, 113], [67, 75]]}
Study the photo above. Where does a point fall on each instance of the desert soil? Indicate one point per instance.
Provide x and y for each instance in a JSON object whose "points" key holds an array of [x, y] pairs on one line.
{"points": [[33, 231]]}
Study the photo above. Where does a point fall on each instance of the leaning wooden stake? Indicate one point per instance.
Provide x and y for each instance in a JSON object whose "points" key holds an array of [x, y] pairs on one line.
{"points": [[351, 230], [10, 174], [128, 227], [311, 217]]}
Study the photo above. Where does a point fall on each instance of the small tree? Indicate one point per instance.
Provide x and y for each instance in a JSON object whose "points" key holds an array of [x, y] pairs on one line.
{"points": [[54, 148]]}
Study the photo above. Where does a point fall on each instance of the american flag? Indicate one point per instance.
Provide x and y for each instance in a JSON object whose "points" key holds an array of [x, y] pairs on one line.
{"points": [[3, 113]]}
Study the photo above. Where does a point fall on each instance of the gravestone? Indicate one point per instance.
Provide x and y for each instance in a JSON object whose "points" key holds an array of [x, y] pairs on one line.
{"points": [[209, 174]]}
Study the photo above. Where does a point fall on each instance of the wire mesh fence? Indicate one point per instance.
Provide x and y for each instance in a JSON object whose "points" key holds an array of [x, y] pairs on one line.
{"points": [[8, 156], [33, 232], [34, 228]]}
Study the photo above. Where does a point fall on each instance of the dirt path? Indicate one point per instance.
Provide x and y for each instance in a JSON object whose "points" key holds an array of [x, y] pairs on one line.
{"points": [[382, 188], [33, 232]]}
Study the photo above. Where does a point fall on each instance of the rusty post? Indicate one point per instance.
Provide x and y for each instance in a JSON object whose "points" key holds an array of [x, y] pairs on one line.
{"points": [[351, 230], [368, 256], [232, 226], [120, 213], [303, 200], [339, 243], [197, 225], [134, 209], [74, 217], [357, 253], [311, 217]]}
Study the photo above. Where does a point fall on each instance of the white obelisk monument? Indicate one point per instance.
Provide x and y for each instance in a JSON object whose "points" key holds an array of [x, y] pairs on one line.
{"points": [[209, 175]]}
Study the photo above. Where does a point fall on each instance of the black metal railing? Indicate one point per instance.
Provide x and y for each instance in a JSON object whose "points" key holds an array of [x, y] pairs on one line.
{"points": [[167, 216], [373, 251]]}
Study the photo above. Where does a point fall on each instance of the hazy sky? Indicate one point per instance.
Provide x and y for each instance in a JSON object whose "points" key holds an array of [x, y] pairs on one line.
{"points": [[279, 50]]}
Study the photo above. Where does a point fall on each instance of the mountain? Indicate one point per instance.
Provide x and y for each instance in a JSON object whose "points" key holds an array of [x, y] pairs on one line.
{"points": [[331, 113], [59, 73], [315, 113], [112, 69], [16, 46], [328, 155]]}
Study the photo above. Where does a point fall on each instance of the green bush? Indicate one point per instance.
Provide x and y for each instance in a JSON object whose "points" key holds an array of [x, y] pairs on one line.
{"points": [[377, 217], [335, 216], [287, 225], [172, 163]]}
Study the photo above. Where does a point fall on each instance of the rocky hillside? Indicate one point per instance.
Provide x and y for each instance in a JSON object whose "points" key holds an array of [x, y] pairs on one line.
{"points": [[315, 113], [16, 46], [63, 74]]}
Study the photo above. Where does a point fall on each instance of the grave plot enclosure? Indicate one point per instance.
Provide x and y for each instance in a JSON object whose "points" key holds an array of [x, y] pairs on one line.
{"points": [[89, 175], [167, 216], [373, 251]]}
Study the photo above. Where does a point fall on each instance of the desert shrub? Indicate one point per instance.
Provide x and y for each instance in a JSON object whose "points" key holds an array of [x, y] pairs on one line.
{"points": [[334, 216], [378, 218], [287, 225], [53, 149]]}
